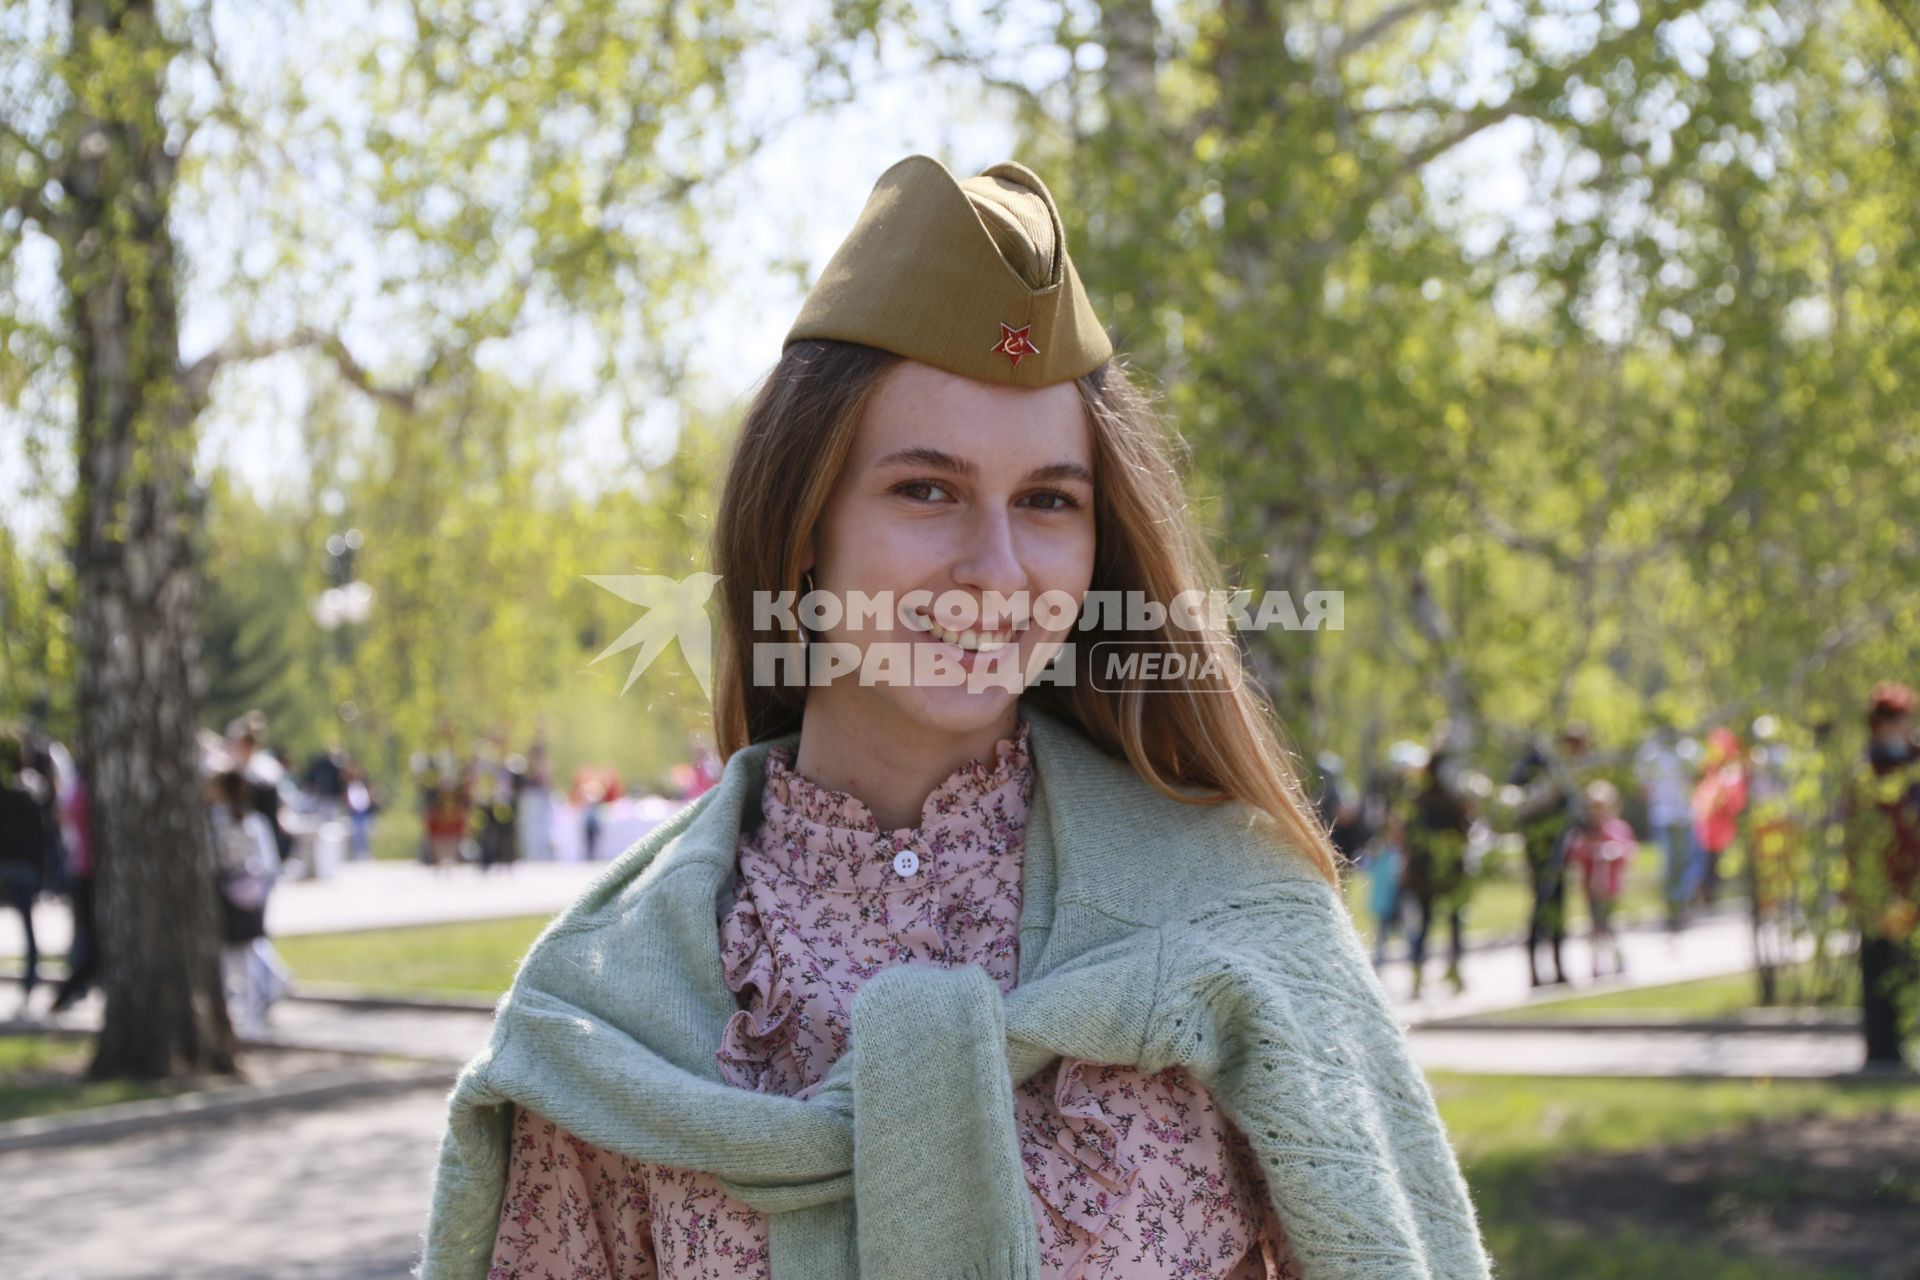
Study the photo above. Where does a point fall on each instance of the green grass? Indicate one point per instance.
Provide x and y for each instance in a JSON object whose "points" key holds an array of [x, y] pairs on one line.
{"points": [[40, 1076], [1507, 1116], [471, 958], [1508, 1130], [1699, 1000]]}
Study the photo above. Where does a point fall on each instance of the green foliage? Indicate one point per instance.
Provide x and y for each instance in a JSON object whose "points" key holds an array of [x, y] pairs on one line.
{"points": [[1634, 445], [258, 645], [1632, 449], [36, 646], [475, 547], [482, 172]]}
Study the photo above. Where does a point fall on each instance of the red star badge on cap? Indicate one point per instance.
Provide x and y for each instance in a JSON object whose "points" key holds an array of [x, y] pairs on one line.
{"points": [[1014, 343]]}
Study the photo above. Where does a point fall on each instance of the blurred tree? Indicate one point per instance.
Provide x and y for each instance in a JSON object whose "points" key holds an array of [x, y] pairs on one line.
{"points": [[257, 638], [495, 169], [36, 649], [88, 162], [1564, 453]]}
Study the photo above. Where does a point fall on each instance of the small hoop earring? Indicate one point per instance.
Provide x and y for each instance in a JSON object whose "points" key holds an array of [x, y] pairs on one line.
{"points": [[806, 589]]}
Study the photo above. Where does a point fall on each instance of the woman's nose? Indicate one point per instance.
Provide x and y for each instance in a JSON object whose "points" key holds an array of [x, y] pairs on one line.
{"points": [[990, 561]]}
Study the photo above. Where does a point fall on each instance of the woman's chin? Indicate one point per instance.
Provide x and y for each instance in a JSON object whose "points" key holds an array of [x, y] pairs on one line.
{"points": [[953, 709]]}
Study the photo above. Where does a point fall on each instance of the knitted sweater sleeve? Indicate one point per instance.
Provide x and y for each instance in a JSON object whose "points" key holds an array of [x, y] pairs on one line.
{"points": [[1267, 997]]}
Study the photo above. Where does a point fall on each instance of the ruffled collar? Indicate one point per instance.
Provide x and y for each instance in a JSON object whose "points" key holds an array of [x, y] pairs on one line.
{"points": [[830, 839]]}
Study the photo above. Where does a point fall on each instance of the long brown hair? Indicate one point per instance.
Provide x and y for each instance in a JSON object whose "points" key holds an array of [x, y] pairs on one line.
{"points": [[793, 444]]}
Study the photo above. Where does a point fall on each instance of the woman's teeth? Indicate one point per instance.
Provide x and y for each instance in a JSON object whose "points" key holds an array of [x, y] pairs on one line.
{"points": [[982, 641]]}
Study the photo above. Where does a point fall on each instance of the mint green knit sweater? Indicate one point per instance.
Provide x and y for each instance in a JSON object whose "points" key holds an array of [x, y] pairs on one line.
{"points": [[1152, 934]]}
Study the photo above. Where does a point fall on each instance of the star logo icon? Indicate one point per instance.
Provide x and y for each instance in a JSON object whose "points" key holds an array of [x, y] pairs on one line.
{"points": [[675, 609], [1014, 343]]}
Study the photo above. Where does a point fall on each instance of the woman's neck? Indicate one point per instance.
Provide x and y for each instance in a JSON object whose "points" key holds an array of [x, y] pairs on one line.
{"points": [[889, 765]]}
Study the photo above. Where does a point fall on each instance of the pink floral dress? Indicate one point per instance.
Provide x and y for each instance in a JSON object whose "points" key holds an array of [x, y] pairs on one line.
{"points": [[1133, 1176]]}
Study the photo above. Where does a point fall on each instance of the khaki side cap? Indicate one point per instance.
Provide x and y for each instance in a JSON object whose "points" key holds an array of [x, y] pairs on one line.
{"points": [[921, 276]]}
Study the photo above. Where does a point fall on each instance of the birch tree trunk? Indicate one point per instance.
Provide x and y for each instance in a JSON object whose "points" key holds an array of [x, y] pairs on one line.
{"points": [[137, 562]]}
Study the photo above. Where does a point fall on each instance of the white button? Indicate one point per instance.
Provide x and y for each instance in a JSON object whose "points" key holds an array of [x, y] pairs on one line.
{"points": [[906, 862]]}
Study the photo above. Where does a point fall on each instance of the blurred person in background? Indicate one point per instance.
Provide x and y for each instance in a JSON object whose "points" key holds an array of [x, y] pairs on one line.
{"points": [[361, 806], [249, 863], [1385, 862], [1773, 834], [495, 794], [1778, 857], [1719, 797], [83, 957], [441, 780], [1598, 853], [590, 793], [1551, 808], [1438, 824], [446, 820], [593, 788], [246, 747], [536, 805], [1882, 814], [50, 768], [325, 781], [23, 844], [1342, 811], [1665, 783]]}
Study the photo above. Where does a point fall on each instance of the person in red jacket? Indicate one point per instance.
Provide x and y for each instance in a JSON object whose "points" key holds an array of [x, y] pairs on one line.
{"points": [[1719, 797], [1882, 810]]}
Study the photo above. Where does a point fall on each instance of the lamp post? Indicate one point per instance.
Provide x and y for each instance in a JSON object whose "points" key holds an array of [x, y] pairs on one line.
{"points": [[346, 603], [347, 600]]}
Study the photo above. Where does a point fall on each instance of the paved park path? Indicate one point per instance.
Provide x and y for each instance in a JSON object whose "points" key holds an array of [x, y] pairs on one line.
{"points": [[378, 895], [333, 1194], [370, 895]]}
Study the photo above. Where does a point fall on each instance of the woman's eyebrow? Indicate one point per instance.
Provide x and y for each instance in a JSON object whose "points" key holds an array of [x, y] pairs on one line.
{"points": [[941, 460]]}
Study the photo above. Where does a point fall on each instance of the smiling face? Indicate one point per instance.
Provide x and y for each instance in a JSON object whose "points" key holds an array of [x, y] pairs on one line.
{"points": [[957, 489]]}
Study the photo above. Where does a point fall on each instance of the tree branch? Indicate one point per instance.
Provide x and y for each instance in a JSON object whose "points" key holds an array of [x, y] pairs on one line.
{"points": [[30, 204], [1431, 621], [1468, 126], [1597, 59], [1385, 22], [1898, 12], [26, 144], [223, 107], [27, 197], [199, 375]]}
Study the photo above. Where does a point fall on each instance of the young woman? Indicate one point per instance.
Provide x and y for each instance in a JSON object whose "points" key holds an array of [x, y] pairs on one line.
{"points": [[1041, 971], [249, 865]]}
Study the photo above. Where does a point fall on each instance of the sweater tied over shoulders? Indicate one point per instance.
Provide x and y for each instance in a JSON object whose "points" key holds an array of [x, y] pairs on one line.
{"points": [[1153, 933]]}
